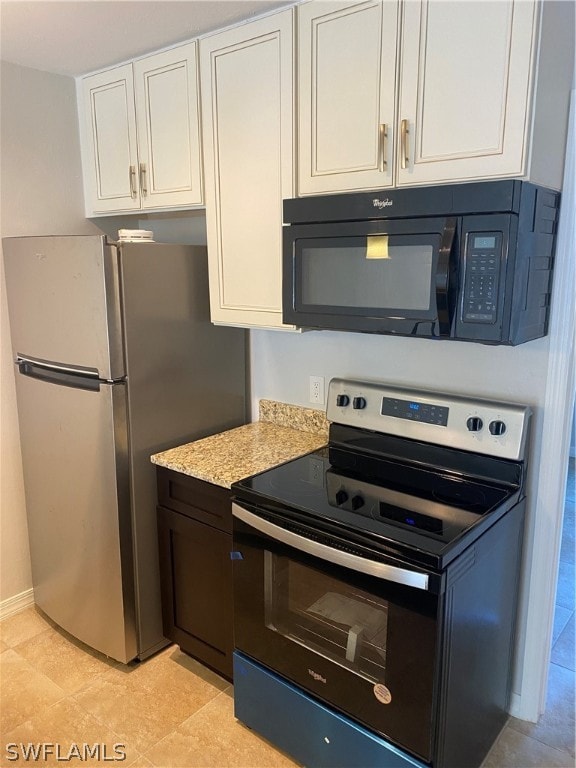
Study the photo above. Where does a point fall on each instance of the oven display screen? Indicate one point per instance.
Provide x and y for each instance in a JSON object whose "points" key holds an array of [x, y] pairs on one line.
{"points": [[413, 411]]}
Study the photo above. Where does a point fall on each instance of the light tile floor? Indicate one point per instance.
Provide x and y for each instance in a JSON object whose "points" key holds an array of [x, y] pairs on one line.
{"points": [[171, 712]]}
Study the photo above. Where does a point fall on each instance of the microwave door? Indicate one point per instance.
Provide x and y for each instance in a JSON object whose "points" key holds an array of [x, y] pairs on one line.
{"points": [[391, 277]]}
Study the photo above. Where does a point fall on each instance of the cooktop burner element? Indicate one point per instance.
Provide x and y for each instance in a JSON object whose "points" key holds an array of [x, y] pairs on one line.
{"points": [[419, 475]]}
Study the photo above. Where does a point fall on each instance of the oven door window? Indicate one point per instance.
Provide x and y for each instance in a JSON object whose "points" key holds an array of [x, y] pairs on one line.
{"points": [[380, 274], [344, 624]]}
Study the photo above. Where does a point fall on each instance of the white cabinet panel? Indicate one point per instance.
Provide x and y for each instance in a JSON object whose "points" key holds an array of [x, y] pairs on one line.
{"points": [[465, 73], [111, 158], [168, 128], [247, 130], [347, 64]]}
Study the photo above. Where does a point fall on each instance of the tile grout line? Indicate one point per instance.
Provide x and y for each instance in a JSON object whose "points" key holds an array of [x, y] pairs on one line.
{"points": [[560, 750], [190, 717]]}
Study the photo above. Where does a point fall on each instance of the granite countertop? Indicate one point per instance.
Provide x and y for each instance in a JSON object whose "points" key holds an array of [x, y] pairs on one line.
{"points": [[283, 432]]}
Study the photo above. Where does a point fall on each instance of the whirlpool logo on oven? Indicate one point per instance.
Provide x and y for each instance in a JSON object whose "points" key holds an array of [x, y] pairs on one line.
{"points": [[316, 676]]}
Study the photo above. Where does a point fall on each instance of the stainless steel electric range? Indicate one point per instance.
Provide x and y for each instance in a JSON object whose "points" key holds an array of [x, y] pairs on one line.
{"points": [[375, 582]]}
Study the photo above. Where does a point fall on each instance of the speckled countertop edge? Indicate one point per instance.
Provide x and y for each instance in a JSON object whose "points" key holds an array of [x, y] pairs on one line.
{"points": [[284, 432]]}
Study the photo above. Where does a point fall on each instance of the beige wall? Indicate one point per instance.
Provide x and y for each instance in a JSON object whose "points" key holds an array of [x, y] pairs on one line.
{"points": [[41, 194]]}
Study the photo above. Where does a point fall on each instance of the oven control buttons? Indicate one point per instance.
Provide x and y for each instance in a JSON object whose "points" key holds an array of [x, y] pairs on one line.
{"points": [[359, 403], [496, 427], [342, 401], [341, 497], [356, 502]]}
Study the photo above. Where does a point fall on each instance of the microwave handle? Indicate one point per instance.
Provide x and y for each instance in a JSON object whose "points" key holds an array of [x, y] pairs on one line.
{"points": [[443, 271], [338, 557]]}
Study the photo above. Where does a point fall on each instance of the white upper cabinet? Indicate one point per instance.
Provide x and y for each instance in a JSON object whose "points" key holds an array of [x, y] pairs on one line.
{"points": [[464, 76], [432, 91], [247, 120], [346, 94], [168, 122], [110, 154], [141, 134]]}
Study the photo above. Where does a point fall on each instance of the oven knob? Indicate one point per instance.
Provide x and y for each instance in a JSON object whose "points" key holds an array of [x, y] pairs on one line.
{"points": [[357, 502], [497, 428], [342, 401], [359, 403], [341, 497], [474, 424]]}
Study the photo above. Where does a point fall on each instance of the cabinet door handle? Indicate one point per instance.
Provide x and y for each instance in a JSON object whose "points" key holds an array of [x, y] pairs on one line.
{"points": [[382, 146], [132, 175], [143, 179], [404, 144]]}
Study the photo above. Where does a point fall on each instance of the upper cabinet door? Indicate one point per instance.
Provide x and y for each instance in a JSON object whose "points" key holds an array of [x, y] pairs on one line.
{"points": [[166, 89], [110, 154], [346, 96], [247, 120], [465, 70]]}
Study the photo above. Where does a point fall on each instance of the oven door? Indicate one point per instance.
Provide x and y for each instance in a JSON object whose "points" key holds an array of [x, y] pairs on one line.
{"points": [[396, 276], [359, 635]]}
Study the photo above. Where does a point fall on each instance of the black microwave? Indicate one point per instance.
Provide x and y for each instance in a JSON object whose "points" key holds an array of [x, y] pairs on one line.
{"points": [[469, 261]]}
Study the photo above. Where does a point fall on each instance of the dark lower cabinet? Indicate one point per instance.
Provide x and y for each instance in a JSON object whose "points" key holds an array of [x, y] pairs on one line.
{"points": [[195, 539]]}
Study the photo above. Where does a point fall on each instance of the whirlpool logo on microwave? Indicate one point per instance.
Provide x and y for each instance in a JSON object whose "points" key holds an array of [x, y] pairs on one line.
{"points": [[316, 676], [377, 203]]}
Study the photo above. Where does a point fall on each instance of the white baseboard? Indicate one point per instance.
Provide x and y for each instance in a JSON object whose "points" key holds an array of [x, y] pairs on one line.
{"points": [[16, 604], [516, 709]]}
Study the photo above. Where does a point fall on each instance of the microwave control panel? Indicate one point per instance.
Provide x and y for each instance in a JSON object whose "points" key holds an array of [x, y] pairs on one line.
{"points": [[483, 260]]}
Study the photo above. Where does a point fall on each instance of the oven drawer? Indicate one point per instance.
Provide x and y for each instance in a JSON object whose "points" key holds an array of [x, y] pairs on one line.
{"points": [[261, 700]]}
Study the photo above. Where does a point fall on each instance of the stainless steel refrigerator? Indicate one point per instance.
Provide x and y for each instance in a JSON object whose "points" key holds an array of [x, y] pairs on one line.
{"points": [[116, 359]]}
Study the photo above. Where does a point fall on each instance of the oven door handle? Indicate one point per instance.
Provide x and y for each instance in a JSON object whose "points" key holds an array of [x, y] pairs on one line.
{"points": [[337, 557]]}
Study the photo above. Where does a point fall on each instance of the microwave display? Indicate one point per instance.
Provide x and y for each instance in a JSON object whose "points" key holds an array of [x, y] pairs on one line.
{"points": [[481, 241]]}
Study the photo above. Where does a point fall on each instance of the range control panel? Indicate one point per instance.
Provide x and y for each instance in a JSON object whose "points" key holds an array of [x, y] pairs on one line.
{"points": [[470, 424], [482, 261]]}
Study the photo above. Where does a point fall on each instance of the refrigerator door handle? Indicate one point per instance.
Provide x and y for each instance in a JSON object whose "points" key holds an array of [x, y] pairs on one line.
{"points": [[57, 373]]}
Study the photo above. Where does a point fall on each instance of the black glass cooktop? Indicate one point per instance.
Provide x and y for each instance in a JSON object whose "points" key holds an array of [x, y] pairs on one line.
{"points": [[411, 510]]}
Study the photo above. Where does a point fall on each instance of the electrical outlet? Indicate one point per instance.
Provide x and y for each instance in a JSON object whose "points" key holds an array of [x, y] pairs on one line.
{"points": [[317, 389]]}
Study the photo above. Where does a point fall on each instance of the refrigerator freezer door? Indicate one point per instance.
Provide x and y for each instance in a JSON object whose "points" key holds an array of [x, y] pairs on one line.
{"points": [[74, 450], [63, 297]]}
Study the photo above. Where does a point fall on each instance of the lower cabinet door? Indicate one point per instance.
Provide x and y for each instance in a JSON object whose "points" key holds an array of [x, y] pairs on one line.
{"points": [[196, 578]]}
